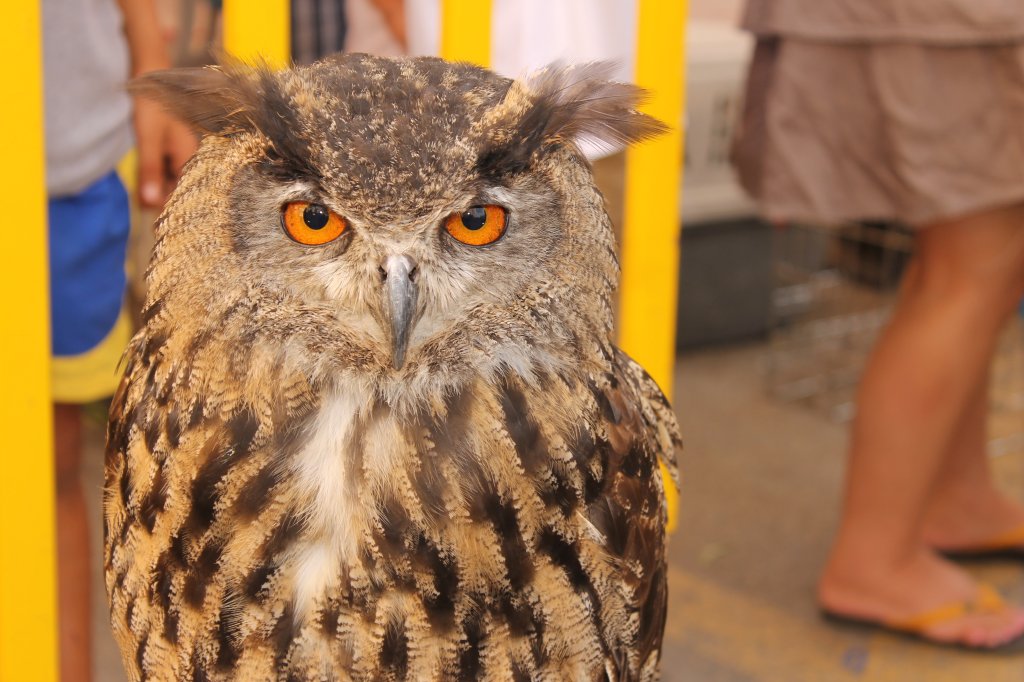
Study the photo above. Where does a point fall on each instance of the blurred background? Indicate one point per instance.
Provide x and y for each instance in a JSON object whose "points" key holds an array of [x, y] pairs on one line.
{"points": [[774, 325]]}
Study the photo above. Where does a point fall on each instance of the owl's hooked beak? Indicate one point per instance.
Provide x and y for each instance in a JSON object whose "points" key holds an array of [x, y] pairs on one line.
{"points": [[399, 274]]}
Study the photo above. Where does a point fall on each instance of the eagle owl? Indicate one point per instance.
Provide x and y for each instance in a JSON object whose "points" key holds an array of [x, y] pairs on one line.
{"points": [[374, 426]]}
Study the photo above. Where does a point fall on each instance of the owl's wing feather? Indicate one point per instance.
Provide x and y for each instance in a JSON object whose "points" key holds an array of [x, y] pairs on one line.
{"points": [[657, 412], [640, 429]]}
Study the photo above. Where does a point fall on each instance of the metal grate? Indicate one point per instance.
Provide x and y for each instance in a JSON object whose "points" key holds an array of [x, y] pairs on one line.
{"points": [[834, 290]]}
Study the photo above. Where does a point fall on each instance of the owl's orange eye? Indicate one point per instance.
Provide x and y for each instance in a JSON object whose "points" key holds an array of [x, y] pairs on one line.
{"points": [[312, 224], [478, 225]]}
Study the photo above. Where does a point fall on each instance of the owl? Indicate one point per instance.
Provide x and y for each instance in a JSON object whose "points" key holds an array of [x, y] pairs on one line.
{"points": [[374, 425]]}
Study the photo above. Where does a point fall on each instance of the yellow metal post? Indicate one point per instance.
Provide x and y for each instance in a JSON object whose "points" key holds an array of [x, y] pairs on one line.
{"points": [[650, 237], [257, 30], [466, 31], [28, 584]]}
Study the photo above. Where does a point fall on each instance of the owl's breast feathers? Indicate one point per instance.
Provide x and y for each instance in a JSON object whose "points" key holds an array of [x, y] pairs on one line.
{"points": [[511, 529]]}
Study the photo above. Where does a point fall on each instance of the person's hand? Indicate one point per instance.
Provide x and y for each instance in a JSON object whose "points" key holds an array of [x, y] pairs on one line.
{"points": [[164, 144]]}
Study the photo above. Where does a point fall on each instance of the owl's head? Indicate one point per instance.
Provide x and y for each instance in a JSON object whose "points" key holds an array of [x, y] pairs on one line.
{"points": [[394, 218]]}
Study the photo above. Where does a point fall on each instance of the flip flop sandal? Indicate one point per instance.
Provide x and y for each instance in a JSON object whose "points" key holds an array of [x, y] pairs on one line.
{"points": [[1007, 546], [986, 600]]}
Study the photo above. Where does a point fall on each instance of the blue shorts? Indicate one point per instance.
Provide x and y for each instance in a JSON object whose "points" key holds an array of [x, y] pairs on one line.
{"points": [[88, 239]]}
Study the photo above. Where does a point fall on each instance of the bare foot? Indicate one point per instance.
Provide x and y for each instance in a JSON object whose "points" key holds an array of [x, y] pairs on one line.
{"points": [[965, 520], [920, 585]]}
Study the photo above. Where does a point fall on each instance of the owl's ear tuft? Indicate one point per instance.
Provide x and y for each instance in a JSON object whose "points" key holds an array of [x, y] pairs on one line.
{"points": [[213, 100], [569, 104], [234, 98], [573, 102]]}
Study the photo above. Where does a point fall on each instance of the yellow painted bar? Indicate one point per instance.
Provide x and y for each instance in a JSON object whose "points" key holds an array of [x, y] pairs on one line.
{"points": [[257, 30], [650, 236], [466, 31], [28, 582]]}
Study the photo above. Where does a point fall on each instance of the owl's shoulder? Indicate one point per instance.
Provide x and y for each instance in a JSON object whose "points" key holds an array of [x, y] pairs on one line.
{"points": [[635, 430], [658, 417]]}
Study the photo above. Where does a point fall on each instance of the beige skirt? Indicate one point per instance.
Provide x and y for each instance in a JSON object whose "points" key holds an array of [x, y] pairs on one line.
{"points": [[886, 131]]}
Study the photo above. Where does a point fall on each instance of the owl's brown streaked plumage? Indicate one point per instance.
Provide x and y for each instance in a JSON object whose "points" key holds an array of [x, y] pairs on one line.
{"points": [[287, 496]]}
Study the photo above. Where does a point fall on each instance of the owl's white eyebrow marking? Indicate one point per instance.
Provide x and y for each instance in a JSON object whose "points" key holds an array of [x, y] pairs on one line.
{"points": [[295, 191], [498, 195], [331, 519]]}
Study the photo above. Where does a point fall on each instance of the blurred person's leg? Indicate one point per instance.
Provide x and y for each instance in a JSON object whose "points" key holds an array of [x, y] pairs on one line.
{"points": [[73, 581], [967, 509], [921, 384]]}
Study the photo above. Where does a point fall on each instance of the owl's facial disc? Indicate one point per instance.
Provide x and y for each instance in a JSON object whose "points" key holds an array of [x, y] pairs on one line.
{"points": [[399, 278]]}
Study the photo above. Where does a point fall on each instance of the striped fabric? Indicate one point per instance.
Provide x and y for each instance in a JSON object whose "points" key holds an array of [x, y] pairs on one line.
{"points": [[318, 29]]}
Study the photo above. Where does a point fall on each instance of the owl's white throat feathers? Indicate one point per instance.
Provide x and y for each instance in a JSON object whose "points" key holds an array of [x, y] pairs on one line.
{"points": [[333, 519]]}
